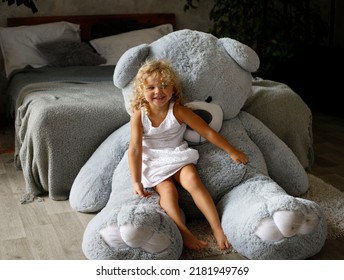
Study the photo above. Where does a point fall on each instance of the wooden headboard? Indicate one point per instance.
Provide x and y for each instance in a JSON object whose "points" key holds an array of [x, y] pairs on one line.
{"points": [[96, 26]]}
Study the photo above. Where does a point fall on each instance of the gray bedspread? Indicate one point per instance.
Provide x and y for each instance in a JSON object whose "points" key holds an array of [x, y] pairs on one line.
{"points": [[59, 124], [80, 74]]}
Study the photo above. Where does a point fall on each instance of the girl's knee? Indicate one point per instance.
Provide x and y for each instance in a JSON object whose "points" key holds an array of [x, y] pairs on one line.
{"points": [[190, 179], [166, 187]]}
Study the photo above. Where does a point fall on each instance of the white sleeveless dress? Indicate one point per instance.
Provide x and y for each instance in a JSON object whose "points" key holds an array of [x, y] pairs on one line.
{"points": [[164, 150]]}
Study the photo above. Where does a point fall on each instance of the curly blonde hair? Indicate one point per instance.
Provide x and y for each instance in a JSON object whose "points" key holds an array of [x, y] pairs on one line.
{"points": [[168, 75]]}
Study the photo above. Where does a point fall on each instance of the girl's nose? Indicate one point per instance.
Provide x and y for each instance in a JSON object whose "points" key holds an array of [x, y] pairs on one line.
{"points": [[157, 89]]}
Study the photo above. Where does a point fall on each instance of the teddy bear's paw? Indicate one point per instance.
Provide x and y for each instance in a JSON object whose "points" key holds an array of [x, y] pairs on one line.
{"points": [[291, 223], [112, 236], [268, 231], [130, 236], [284, 224]]}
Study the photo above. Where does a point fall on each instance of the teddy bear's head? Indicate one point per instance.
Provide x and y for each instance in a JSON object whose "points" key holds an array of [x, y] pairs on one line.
{"points": [[211, 69]]}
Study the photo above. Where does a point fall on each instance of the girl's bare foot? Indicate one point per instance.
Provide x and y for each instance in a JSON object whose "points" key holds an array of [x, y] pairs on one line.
{"points": [[192, 242], [221, 239]]}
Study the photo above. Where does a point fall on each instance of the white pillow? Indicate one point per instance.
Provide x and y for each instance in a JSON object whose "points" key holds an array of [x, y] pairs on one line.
{"points": [[18, 44], [113, 47]]}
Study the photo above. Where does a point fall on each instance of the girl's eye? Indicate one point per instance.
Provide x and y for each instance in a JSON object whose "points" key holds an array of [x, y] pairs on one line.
{"points": [[161, 86]]}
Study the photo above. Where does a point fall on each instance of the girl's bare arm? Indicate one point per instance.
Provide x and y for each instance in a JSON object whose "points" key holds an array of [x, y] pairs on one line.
{"points": [[187, 116], [135, 153]]}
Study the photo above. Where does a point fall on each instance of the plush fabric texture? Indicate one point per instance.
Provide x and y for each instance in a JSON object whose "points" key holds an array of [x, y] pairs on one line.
{"points": [[18, 44], [47, 162], [258, 203], [292, 121], [112, 47], [69, 53]]}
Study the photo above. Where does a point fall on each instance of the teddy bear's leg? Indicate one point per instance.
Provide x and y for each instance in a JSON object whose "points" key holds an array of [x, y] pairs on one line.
{"points": [[263, 222], [282, 164], [133, 230], [131, 227], [138, 230]]}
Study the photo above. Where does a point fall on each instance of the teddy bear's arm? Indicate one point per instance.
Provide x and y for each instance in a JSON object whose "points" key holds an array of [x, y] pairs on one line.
{"points": [[283, 166], [92, 186]]}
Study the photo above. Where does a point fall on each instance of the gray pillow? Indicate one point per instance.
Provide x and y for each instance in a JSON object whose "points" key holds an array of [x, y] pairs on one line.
{"points": [[69, 53]]}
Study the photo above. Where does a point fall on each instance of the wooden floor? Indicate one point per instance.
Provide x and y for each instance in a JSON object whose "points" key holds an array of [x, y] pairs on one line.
{"points": [[52, 230], [328, 132]]}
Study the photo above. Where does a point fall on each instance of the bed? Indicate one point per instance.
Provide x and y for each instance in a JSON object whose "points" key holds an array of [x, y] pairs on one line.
{"points": [[62, 99], [60, 92]]}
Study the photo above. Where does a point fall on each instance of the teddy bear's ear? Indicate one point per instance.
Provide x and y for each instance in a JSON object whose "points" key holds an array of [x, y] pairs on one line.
{"points": [[129, 64], [246, 57]]}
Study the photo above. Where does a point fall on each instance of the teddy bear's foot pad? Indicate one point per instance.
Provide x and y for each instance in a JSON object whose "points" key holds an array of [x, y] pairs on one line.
{"points": [[130, 236], [284, 224]]}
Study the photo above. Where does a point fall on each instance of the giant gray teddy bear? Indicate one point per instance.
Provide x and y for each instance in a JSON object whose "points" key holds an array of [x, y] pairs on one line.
{"points": [[260, 212]]}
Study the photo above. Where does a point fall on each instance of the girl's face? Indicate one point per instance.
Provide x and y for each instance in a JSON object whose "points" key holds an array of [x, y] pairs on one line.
{"points": [[157, 92]]}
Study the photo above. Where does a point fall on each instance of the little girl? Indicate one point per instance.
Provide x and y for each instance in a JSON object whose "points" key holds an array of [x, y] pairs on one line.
{"points": [[160, 158]]}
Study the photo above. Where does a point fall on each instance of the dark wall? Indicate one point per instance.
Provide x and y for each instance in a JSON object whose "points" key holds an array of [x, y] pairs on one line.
{"points": [[315, 72]]}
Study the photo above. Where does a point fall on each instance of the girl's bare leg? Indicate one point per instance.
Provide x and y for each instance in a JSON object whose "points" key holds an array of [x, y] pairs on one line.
{"points": [[169, 202], [188, 177]]}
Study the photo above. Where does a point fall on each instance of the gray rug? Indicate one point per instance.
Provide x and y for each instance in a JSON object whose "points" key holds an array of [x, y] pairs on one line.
{"points": [[330, 199]]}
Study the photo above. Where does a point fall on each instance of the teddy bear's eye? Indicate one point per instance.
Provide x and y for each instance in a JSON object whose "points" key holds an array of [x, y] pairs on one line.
{"points": [[209, 99]]}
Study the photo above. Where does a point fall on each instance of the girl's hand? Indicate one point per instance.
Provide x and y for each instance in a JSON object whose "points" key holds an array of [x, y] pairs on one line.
{"points": [[139, 190], [239, 157]]}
